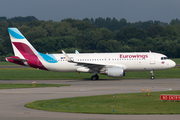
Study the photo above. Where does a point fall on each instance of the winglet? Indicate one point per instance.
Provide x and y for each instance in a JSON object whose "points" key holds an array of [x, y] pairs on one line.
{"points": [[67, 57], [76, 52]]}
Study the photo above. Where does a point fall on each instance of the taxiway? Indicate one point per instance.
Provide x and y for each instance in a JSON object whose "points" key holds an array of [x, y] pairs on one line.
{"points": [[12, 101]]}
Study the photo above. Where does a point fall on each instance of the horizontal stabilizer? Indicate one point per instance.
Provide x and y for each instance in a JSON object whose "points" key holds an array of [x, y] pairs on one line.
{"points": [[15, 58]]}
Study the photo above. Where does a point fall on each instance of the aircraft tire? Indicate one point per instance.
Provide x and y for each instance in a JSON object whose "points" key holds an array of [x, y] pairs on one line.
{"points": [[152, 77], [95, 77]]}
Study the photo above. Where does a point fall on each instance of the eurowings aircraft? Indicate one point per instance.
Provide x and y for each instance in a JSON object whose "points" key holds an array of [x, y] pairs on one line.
{"points": [[111, 64]]}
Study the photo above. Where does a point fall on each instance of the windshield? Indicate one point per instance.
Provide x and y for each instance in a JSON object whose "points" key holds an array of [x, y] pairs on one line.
{"points": [[164, 58]]}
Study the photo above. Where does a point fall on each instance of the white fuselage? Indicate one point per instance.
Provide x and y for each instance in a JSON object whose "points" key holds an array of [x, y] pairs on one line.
{"points": [[139, 61]]}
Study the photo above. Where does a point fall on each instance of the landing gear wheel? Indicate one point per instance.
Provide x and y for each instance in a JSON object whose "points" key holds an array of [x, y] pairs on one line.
{"points": [[152, 77], [95, 77]]}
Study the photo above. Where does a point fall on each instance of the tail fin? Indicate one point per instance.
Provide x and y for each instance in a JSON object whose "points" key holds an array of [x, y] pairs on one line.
{"points": [[20, 44], [25, 53]]}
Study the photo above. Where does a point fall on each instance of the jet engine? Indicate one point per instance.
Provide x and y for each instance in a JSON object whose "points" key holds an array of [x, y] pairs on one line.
{"points": [[114, 72]]}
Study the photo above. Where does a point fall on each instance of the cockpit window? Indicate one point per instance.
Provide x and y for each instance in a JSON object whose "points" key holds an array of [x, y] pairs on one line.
{"points": [[164, 58]]}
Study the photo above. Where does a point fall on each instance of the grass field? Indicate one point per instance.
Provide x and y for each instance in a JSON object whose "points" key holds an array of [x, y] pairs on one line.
{"points": [[6, 63], [34, 74], [177, 61], [132, 103], [13, 86]]}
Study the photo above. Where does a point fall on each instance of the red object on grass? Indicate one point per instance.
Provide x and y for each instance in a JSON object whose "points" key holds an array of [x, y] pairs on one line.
{"points": [[170, 97]]}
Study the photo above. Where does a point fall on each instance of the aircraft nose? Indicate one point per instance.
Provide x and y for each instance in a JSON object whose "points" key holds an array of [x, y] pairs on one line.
{"points": [[173, 64]]}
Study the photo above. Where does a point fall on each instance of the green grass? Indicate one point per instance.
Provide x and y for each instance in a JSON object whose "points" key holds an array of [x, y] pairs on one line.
{"points": [[132, 103], [34, 74], [4, 63], [177, 61], [12, 86], [170, 73]]}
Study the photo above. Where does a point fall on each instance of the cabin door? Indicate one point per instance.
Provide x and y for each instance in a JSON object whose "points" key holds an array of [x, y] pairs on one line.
{"points": [[152, 59]]}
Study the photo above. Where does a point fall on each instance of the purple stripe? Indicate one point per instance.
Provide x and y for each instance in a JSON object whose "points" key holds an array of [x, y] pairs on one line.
{"points": [[15, 61], [28, 54]]}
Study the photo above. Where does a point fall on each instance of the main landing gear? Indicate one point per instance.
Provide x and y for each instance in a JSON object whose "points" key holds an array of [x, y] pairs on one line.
{"points": [[152, 75], [95, 77]]}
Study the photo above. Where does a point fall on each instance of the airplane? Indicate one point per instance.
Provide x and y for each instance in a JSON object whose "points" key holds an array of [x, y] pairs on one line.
{"points": [[111, 64]]}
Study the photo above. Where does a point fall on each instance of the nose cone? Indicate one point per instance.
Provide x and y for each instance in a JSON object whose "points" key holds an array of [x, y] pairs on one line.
{"points": [[172, 64]]}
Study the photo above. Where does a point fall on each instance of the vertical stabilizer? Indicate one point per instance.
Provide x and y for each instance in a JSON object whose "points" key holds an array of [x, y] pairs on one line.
{"points": [[25, 53], [20, 44]]}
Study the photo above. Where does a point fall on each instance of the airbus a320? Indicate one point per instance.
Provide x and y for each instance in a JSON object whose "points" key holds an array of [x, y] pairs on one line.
{"points": [[111, 64]]}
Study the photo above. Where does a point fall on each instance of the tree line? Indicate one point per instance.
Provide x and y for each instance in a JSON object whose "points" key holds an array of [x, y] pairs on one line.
{"points": [[94, 35]]}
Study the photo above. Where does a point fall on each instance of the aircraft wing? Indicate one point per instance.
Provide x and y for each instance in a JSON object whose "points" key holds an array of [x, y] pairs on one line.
{"points": [[92, 65], [95, 66]]}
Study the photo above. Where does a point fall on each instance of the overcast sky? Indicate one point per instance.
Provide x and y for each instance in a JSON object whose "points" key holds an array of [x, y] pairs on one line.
{"points": [[56, 10]]}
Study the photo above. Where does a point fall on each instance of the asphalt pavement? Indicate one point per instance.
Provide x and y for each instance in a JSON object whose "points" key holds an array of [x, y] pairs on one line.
{"points": [[12, 101]]}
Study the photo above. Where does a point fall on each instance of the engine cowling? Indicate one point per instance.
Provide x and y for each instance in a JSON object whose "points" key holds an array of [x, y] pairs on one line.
{"points": [[115, 72]]}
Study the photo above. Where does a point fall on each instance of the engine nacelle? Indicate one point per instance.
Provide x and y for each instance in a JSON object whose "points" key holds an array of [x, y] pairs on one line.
{"points": [[115, 72]]}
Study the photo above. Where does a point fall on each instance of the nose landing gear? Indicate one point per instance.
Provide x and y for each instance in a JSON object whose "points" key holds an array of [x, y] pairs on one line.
{"points": [[152, 75]]}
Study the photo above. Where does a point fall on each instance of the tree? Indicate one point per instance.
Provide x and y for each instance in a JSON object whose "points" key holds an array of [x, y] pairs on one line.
{"points": [[94, 35], [2, 50], [135, 44], [130, 32], [154, 31], [112, 46], [125, 48], [175, 22], [101, 46]]}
